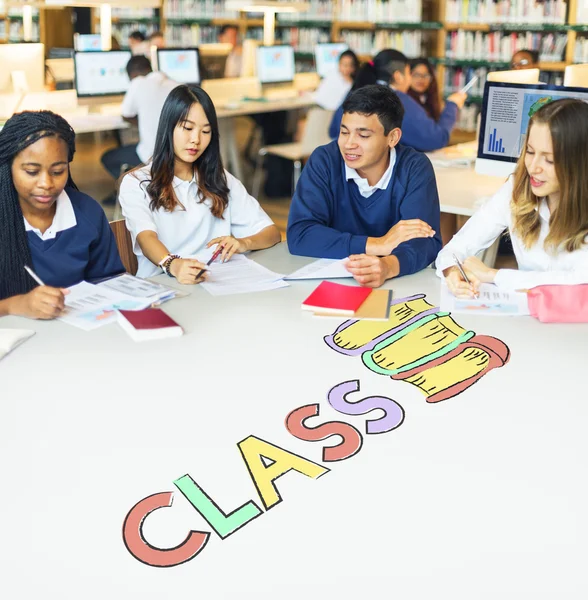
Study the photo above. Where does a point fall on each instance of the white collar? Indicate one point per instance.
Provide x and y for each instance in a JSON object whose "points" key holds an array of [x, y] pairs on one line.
{"points": [[543, 209], [65, 218], [178, 182], [363, 184]]}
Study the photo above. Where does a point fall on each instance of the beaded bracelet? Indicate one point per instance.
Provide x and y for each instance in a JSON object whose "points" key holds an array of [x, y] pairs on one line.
{"points": [[168, 261]]}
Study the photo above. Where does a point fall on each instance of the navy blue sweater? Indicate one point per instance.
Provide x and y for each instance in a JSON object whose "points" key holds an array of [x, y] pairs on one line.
{"points": [[419, 130], [329, 218], [85, 252]]}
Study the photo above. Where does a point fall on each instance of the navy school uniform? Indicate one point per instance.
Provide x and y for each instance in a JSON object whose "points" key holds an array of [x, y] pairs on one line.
{"points": [[86, 251], [329, 218]]}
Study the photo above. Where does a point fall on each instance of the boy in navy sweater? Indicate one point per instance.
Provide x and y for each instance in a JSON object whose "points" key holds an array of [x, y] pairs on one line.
{"points": [[367, 197], [420, 131]]}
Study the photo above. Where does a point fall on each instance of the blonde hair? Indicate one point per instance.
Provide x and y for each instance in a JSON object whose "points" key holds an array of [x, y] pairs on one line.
{"points": [[567, 120]]}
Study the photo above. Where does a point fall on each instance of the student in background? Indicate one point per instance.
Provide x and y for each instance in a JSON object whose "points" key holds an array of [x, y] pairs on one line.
{"points": [[367, 197], [424, 88], [45, 222], [334, 88], [420, 131], [156, 39], [138, 44], [143, 103], [544, 207], [184, 201], [525, 59], [229, 34]]}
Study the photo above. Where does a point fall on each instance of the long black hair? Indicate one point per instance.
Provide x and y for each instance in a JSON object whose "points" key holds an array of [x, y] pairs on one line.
{"points": [[431, 101], [21, 131], [212, 180], [381, 69]]}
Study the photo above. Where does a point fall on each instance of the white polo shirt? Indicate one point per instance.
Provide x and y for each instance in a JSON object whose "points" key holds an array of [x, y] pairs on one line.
{"points": [[365, 189], [64, 218], [536, 265], [144, 99], [187, 229]]}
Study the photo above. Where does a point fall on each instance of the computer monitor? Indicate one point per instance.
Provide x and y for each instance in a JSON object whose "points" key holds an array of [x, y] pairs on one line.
{"points": [[518, 76], [101, 73], [506, 110], [275, 64], [28, 58], [179, 64], [576, 76], [88, 42], [214, 60], [326, 57]]}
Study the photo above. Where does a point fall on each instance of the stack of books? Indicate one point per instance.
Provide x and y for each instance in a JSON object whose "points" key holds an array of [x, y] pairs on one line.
{"points": [[335, 300]]}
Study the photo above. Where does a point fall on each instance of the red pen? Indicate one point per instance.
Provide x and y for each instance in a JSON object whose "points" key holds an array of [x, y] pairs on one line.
{"points": [[212, 259]]}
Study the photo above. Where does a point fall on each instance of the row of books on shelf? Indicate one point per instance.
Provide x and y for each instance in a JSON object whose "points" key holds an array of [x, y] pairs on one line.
{"points": [[457, 77], [132, 12], [122, 30], [581, 50], [318, 10], [381, 11], [303, 39], [14, 31], [367, 42], [190, 35], [499, 46], [467, 118], [506, 11], [197, 9]]}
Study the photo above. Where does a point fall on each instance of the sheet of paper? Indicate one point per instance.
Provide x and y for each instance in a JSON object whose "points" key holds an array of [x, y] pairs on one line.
{"points": [[89, 306], [11, 338], [324, 268], [238, 276], [139, 288], [491, 301]]}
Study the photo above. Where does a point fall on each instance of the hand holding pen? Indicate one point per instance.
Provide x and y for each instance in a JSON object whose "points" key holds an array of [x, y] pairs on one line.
{"points": [[212, 259], [459, 283], [42, 302]]}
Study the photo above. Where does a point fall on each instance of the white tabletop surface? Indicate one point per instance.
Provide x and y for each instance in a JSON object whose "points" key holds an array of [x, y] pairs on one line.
{"points": [[482, 496], [461, 189]]}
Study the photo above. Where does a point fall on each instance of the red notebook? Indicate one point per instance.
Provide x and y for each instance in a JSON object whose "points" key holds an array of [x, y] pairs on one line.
{"points": [[336, 298], [148, 324]]}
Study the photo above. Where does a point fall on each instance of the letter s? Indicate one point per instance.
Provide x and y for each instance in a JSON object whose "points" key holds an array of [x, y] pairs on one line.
{"points": [[394, 413], [352, 439]]}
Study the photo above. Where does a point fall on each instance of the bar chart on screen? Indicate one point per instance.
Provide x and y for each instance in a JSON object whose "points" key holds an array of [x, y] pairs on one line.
{"points": [[495, 143]]}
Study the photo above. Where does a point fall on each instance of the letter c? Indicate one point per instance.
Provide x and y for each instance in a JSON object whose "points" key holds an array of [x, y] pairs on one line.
{"points": [[142, 550]]}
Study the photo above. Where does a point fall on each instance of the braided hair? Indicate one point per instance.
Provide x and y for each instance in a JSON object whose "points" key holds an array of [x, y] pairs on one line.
{"points": [[21, 131]]}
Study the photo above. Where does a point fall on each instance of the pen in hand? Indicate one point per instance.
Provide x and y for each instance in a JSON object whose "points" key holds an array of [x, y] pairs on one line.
{"points": [[212, 259], [463, 274], [33, 275]]}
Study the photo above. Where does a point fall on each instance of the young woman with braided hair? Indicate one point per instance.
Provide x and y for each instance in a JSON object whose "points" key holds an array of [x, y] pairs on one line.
{"points": [[45, 222]]}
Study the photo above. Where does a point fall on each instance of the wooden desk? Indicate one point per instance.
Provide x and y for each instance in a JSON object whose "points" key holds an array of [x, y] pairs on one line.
{"points": [[229, 150], [481, 496]]}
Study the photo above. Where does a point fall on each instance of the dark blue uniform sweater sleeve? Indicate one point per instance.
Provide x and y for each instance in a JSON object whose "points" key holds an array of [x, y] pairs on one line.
{"points": [[421, 201], [309, 232], [103, 260], [421, 132], [335, 125]]}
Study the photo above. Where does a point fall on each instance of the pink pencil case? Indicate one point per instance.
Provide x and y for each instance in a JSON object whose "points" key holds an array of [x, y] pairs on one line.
{"points": [[559, 303]]}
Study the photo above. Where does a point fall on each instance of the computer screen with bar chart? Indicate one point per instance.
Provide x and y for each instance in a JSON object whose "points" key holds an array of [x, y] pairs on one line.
{"points": [[506, 112]]}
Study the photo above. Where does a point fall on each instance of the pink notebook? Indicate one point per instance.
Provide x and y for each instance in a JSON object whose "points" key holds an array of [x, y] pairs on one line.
{"points": [[336, 298], [148, 324]]}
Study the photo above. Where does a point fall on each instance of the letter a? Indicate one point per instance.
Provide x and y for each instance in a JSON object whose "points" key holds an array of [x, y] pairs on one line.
{"points": [[255, 450]]}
